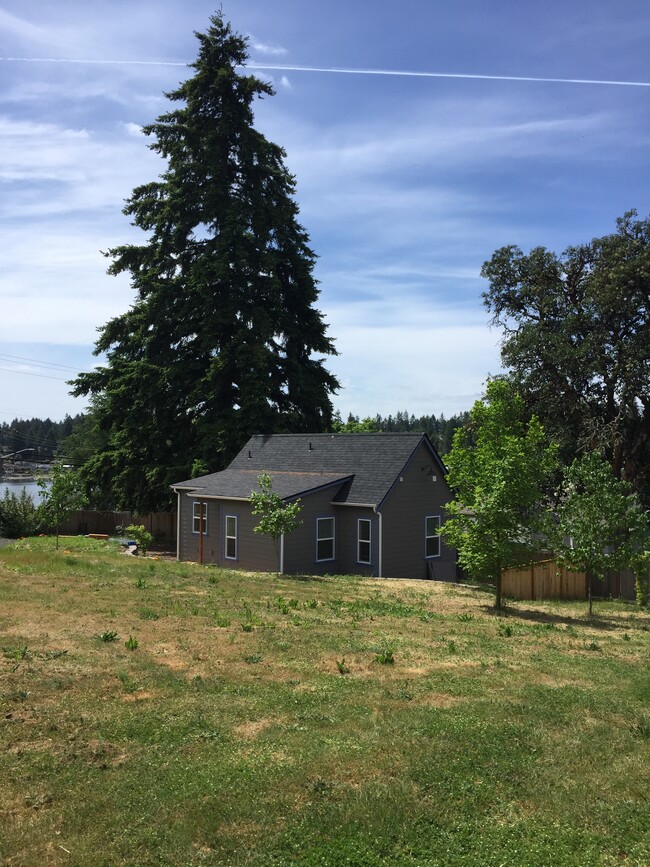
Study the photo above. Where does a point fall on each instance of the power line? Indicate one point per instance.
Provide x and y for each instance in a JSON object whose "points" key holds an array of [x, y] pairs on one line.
{"points": [[46, 364], [29, 373]]}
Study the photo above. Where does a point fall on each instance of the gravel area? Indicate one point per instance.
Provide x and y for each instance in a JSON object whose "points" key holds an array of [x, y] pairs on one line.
{"points": [[5, 542]]}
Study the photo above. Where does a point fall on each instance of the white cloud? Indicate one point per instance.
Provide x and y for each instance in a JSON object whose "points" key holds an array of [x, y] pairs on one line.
{"points": [[134, 129], [284, 81], [267, 48]]}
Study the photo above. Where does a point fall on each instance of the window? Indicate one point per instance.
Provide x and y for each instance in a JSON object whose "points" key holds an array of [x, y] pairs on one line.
{"points": [[363, 540], [231, 537], [324, 539], [196, 517], [431, 537]]}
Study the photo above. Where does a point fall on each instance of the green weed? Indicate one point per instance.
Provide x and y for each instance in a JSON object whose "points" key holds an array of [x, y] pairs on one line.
{"points": [[131, 643], [385, 655], [109, 635]]}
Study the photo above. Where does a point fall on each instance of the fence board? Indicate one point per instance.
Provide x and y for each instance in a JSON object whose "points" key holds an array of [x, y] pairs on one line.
{"points": [[543, 580], [161, 525], [547, 580]]}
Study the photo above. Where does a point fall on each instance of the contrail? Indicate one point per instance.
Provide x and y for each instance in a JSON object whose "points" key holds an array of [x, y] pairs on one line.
{"points": [[412, 74], [343, 70]]}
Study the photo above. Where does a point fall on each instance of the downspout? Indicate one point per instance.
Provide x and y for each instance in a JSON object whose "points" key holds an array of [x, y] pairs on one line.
{"points": [[380, 534], [282, 554], [201, 531], [178, 526]]}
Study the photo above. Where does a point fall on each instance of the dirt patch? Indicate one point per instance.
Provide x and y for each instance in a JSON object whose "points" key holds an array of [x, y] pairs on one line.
{"points": [[438, 699], [249, 730], [138, 695]]}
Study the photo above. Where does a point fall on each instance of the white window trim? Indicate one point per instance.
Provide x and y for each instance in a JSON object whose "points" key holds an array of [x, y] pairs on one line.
{"points": [[227, 537], [433, 536], [367, 541], [331, 538], [196, 517]]}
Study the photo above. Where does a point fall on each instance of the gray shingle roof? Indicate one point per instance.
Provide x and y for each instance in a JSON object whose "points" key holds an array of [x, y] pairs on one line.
{"points": [[298, 463], [240, 483]]}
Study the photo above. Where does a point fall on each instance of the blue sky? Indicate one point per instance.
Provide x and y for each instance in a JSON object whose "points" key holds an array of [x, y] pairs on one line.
{"points": [[406, 184]]}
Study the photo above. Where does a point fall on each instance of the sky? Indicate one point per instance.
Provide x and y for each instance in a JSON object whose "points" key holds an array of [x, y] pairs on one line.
{"points": [[423, 137]]}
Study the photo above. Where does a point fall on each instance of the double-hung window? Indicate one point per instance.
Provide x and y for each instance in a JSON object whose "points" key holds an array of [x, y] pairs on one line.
{"points": [[431, 536], [324, 539], [231, 537], [199, 516], [363, 540]]}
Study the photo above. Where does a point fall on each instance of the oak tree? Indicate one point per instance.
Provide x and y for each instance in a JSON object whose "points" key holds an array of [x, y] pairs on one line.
{"points": [[576, 339]]}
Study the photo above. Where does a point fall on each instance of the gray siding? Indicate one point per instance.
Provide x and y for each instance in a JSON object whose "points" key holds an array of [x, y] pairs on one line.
{"points": [[300, 546], [404, 511], [254, 552], [188, 541], [347, 519]]}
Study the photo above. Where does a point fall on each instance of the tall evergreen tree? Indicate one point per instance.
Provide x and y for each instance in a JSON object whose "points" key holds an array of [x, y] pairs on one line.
{"points": [[220, 340]]}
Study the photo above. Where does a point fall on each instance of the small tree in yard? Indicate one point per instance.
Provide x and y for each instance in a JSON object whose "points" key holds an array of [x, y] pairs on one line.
{"points": [[18, 515], [599, 525], [498, 467], [63, 497], [277, 518]]}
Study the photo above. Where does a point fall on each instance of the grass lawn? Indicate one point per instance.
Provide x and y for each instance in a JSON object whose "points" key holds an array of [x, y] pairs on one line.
{"points": [[261, 721]]}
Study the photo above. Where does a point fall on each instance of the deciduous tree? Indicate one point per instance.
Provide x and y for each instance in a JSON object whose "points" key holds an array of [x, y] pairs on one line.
{"points": [[223, 337], [499, 466], [598, 525], [577, 342], [277, 518], [61, 497]]}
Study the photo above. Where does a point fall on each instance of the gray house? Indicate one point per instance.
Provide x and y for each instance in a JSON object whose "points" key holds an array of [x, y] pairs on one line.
{"points": [[371, 505]]}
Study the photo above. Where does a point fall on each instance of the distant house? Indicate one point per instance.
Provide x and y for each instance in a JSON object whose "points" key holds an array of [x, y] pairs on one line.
{"points": [[371, 505]]}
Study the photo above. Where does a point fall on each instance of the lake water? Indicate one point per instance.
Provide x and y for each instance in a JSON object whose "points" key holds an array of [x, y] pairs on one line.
{"points": [[16, 487]]}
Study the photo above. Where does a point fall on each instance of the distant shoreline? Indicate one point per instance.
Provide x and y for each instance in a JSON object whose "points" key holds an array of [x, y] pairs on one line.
{"points": [[28, 480]]}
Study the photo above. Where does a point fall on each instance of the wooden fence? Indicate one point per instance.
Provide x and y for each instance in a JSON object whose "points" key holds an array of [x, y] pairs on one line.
{"points": [[161, 525], [543, 580], [547, 580]]}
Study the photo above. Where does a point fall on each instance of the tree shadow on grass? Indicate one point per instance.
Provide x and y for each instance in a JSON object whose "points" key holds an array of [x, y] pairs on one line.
{"points": [[304, 578], [596, 621]]}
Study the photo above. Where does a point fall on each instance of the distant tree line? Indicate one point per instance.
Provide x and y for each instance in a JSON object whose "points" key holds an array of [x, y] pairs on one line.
{"points": [[44, 436], [77, 438], [440, 429]]}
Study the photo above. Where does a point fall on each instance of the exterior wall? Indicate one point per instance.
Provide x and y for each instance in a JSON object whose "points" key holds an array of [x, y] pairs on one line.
{"points": [[254, 552], [404, 511], [346, 524], [300, 546], [188, 541]]}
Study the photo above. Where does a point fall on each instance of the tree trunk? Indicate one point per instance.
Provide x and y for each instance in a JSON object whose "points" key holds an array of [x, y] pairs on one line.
{"points": [[497, 602], [589, 595]]}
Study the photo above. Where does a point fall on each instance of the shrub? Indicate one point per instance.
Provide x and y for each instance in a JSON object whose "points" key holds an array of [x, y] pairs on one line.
{"points": [[142, 537], [18, 515]]}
